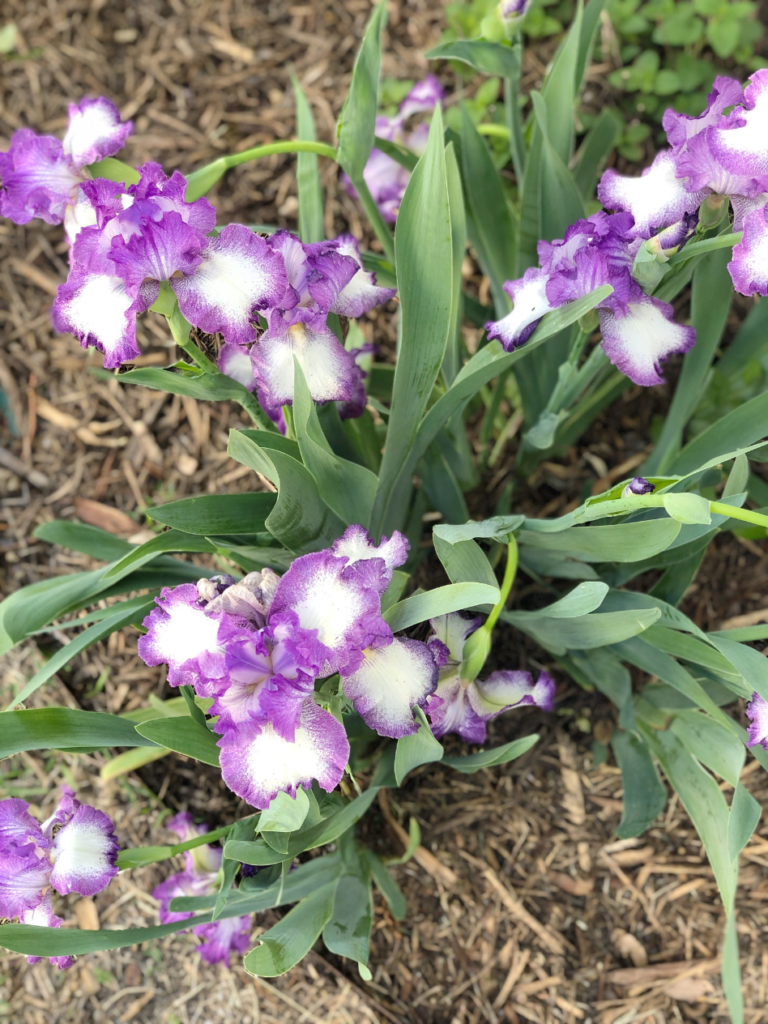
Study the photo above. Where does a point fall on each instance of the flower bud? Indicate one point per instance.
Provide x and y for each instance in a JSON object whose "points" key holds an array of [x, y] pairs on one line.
{"points": [[638, 485], [476, 649], [589, 322], [512, 13], [711, 210], [504, 20]]}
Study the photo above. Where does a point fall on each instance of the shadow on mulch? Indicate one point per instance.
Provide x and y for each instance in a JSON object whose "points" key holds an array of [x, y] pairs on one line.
{"points": [[527, 910]]}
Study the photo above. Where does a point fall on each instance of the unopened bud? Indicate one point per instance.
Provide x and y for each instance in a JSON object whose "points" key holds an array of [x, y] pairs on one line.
{"points": [[476, 649], [504, 20], [711, 210], [589, 322], [638, 485], [649, 266], [512, 13]]}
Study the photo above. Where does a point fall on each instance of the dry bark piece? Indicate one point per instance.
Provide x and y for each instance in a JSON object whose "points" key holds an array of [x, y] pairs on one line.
{"points": [[47, 411], [187, 464], [629, 976], [554, 942], [35, 477], [631, 858], [573, 801], [629, 948], [574, 886], [689, 990], [87, 915], [423, 857], [104, 516]]}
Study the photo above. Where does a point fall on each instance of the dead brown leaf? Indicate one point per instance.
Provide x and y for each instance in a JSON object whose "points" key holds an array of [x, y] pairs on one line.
{"points": [[689, 990], [104, 516]]}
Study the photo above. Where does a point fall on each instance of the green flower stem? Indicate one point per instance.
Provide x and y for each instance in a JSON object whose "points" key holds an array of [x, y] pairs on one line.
{"points": [[499, 130], [706, 245], [375, 218], [180, 328], [250, 403], [510, 572], [478, 645], [719, 508], [200, 181]]}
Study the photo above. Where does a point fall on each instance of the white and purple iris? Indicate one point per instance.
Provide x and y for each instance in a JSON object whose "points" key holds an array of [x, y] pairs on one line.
{"points": [[465, 707], [722, 154], [321, 278], [386, 179], [638, 330], [41, 175], [259, 646], [75, 850], [147, 234], [201, 876]]}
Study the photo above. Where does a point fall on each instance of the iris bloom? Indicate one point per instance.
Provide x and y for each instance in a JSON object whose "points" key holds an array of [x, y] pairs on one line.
{"points": [[323, 278], [41, 175], [638, 330], [75, 850], [465, 707], [201, 876], [147, 234], [386, 179], [259, 646]]}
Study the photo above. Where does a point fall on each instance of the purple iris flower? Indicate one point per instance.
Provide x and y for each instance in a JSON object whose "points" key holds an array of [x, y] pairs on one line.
{"points": [[638, 330], [757, 713], [749, 266], [41, 175], [386, 179], [147, 234], [657, 199], [73, 851], [201, 877], [466, 707], [258, 647], [322, 278]]}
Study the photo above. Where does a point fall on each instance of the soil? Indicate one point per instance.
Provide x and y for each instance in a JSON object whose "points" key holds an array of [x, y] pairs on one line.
{"points": [[522, 905]]}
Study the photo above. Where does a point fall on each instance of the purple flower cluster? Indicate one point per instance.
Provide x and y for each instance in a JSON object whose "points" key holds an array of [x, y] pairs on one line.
{"points": [[75, 850], [258, 646], [201, 877], [720, 154], [130, 242], [466, 707], [386, 178]]}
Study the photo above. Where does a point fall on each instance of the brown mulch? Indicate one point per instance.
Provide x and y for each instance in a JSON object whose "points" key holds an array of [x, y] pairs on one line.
{"points": [[522, 906]]}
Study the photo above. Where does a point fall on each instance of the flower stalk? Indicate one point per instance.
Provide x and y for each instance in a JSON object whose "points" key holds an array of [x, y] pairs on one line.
{"points": [[202, 180], [478, 644]]}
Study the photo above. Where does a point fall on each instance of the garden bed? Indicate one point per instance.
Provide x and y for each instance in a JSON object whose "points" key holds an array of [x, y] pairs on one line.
{"points": [[528, 892]]}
